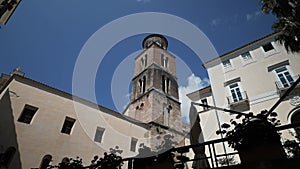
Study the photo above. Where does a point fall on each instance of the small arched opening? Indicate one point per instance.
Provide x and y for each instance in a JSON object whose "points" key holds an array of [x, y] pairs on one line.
{"points": [[45, 161]]}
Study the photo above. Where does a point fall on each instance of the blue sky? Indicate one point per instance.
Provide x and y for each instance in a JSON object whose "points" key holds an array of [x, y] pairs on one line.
{"points": [[46, 37]]}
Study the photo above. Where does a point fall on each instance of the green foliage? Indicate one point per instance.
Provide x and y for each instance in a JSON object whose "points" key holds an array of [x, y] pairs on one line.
{"points": [[69, 164], [292, 148], [288, 21], [239, 133], [109, 161], [229, 160], [166, 144]]}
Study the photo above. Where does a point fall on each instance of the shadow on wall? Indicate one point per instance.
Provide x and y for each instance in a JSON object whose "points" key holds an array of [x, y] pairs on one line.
{"points": [[9, 151]]}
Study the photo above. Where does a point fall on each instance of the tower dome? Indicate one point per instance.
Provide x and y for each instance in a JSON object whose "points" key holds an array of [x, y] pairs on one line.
{"points": [[160, 41]]}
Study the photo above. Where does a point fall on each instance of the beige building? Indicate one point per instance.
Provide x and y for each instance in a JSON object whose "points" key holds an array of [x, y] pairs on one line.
{"points": [[249, 79], [38, 120]]}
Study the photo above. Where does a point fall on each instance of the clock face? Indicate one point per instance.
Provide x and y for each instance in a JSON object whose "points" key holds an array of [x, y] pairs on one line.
{"points": [[295, 101]]}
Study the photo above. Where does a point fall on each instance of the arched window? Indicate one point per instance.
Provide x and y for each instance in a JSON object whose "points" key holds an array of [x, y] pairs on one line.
{"points": [[167, 115], [165, 84], [164, 61], [142, 85], [45, 161], [144, 61]]}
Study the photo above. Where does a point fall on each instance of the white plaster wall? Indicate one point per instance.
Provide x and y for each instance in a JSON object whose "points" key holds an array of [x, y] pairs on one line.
{"points": [[43, 135]]}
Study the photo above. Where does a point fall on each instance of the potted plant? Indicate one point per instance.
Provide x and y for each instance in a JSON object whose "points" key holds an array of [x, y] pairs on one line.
{"points": [[254, 136]]}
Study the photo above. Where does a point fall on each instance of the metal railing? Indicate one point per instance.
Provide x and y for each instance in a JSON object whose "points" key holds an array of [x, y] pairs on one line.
{"points": [[238, 99], [212, 155]]}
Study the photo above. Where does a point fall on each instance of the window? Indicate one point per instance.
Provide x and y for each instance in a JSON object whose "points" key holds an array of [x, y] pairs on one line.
{"points": [[133, 144], [165, 84], [142, 84], [226, 63], [235, 92], [27, 114], [99, 134], [68, 125], [164, 61], [204, 101], [267, 47], [246, 56], [284, 76], [167, 115], [144, 61]]}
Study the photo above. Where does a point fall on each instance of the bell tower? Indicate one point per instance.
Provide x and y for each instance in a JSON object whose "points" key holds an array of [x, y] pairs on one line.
{"points": [[154, 96]]}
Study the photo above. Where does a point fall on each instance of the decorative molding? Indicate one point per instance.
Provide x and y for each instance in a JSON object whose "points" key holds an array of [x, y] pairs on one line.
{"points": [[263, 97], [238, 79], [277, 65], [295, 101]]}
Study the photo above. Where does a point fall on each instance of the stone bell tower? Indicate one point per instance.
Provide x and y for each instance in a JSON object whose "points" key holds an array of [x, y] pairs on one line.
{"points": [[154, 96]]}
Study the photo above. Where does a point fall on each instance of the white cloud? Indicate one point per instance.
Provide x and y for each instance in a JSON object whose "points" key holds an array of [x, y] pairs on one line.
{"points": [[143, 1], [257, 13], [253, 15], [194, 83], [215, 22], [249, 17]]}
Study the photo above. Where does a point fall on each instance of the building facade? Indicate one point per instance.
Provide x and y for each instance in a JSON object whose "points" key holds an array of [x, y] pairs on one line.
{"points": [[250, 79], [38, 121]]}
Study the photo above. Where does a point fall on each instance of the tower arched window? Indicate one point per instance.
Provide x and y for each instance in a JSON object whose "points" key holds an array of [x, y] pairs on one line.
{"points": [[142, 85], [144, 61], [164, 61], [167, 115], [165, 84]]}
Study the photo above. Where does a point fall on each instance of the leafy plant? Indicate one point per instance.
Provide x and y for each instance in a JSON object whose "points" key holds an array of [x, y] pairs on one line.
{"points": [[292, 148], [229, 160], [249, 129], [69, 164], [109, 161], [288, 22]]}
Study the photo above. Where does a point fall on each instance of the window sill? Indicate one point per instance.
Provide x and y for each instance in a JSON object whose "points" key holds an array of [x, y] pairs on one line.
{"points": [[271, 53], [248, 62], [228, 69]]}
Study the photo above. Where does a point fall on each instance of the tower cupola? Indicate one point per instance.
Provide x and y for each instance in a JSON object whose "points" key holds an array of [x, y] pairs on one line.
{"points": [[157, 39]]}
